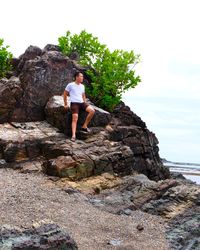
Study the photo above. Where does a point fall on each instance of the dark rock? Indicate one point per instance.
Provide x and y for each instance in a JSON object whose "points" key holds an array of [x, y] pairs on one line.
{"points": [[184, 230], [90, 159], [51, 47], [127, 117], [140, 227], [47, 236], [14, 68], [137, 192], [31, 53], [10, 96], [176, 175], [3, 163], [143, 143], [74, 56], [42, 74]]}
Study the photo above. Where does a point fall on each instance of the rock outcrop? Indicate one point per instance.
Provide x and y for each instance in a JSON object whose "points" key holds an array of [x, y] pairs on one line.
{"points": [[50, 152], [46, 236], [33, 93], [121, 126], [176, 200], [40, 75]]}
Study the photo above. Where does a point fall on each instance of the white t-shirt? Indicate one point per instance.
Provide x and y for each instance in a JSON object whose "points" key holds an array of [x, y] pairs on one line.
{"points": [[75, 91]]}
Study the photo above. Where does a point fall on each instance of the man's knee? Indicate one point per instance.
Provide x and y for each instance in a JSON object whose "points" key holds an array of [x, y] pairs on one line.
{"points": [[90, 110], [75, 117]]}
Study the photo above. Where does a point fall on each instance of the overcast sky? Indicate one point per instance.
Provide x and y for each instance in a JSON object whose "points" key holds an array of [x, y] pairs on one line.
{"points": [[164, 32]]}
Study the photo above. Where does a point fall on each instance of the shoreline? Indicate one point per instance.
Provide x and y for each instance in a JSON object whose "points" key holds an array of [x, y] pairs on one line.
{"points": [[189, 170]]}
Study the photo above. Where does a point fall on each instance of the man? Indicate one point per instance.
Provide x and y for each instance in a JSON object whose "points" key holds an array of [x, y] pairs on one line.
{"points": [[76, 91]]}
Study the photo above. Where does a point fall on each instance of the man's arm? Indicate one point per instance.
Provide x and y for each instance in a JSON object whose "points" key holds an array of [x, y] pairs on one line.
{"points": [[65, 96], [84, 97]]}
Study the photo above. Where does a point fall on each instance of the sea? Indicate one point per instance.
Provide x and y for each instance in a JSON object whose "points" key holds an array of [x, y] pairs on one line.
{"points": [[190, 171]]}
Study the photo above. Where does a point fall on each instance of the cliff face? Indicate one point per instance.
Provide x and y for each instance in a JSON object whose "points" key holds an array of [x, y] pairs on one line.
{"points": [[119, 142]]}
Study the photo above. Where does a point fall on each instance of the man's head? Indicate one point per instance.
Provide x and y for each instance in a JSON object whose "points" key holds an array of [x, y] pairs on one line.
{"points": [[78, 77]]}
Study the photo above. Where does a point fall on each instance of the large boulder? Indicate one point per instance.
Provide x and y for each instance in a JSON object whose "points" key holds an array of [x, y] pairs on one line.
{"points": [[41, 78], [41, 74], [10, 95], [57, 116]]}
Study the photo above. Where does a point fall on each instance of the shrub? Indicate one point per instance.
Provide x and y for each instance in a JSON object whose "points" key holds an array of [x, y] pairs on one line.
{"points": [[5, 59], [111, 72]]}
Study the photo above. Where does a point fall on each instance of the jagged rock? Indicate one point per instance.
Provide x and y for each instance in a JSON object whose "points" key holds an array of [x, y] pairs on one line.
{"points": [[174, 200], [127, 117], [10, 95], [143, 143], [62, 157], [167, 198], [23, 141], [42, 73], [47, 236], [91, 159], [41, 78], [31, 53], [51, 47], [183, 231], [57, 116]]}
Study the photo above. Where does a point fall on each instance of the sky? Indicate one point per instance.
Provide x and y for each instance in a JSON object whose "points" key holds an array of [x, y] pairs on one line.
{"points": [[164, 32]]}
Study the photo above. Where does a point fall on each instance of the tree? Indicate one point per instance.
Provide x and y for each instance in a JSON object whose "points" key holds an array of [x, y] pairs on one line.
{"points": [[111, 72], [5, 59]]}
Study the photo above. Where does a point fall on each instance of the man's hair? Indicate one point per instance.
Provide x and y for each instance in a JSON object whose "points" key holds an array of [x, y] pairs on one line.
{"points": [[77, 74]]}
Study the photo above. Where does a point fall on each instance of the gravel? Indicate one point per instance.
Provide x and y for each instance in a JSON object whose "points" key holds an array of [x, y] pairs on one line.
{"points": [[28, 199]]}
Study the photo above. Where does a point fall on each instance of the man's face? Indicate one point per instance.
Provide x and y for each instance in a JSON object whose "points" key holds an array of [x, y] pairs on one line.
{"points": [[79, 78]]}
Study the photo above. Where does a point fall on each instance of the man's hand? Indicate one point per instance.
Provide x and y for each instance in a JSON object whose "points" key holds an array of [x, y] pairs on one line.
{"points": [[66, 106]]}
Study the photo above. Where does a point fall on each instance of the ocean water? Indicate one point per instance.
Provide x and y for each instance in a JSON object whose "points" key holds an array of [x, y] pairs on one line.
{"points": [[190, 171]]}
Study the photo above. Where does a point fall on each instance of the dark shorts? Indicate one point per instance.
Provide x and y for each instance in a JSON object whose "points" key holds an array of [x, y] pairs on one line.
{"points": [[76, 107]]}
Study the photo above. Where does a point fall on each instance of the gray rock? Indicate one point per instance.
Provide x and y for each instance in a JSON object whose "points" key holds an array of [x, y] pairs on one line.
{"points": [[184, 230], [47, 236], [3, 163]]}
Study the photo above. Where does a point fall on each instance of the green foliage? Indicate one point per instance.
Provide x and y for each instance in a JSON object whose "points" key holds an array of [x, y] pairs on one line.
{"points": [[5, 58], [111, 72]]}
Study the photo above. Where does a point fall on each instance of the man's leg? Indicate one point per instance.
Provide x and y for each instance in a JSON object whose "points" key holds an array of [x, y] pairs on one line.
{"points": [[91, 112], [75, 111], [74, 124]]}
